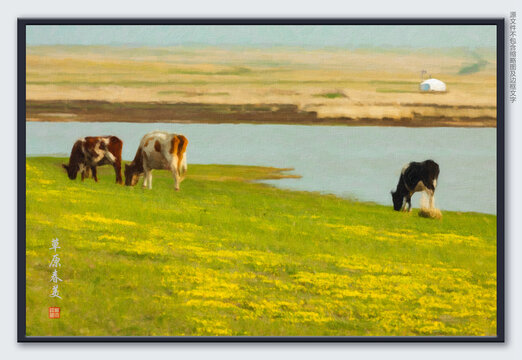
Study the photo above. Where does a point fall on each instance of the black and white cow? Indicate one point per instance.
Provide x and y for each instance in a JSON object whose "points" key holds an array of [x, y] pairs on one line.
{"points": [[415, 176]]}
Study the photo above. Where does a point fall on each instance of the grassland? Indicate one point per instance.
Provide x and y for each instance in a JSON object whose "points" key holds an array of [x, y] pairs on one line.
{"points": [[333, 86], [229, 256]]}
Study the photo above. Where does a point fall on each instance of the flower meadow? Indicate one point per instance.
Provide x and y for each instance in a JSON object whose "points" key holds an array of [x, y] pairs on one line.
{"points": [[227, 256]]}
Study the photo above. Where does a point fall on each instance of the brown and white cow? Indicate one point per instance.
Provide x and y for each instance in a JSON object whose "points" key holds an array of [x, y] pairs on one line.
{"points": [[92, 151], [158, 150]]}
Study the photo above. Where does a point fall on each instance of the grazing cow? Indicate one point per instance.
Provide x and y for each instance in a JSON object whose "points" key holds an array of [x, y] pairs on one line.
{"points": [[415, 177], [92, 151], [158, 150]]}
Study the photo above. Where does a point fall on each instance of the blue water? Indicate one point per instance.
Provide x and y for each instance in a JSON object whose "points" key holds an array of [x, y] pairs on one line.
{"points": [[363, 163]]}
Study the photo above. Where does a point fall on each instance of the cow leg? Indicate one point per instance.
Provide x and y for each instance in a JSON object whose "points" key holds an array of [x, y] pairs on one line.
{"points": [[404, 202], [431, 195], [147, 178], [83, 171], [117, 170], [94, 175], [177, 180], [183, 169], [408, 201], [86, 172]]}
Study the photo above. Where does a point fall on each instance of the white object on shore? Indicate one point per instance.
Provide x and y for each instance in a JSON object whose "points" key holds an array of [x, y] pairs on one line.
{"points": [[432, 85], [432, 213]]}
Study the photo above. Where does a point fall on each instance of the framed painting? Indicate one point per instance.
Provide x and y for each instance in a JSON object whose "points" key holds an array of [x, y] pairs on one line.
{"points": [[229, 180]]}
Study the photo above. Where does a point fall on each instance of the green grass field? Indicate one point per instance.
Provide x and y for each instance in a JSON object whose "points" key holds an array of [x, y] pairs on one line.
{"points": [[228, 256]]}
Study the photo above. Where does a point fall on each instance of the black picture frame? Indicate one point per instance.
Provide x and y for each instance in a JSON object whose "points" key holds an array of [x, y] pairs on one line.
{"points": [[21, 176]]}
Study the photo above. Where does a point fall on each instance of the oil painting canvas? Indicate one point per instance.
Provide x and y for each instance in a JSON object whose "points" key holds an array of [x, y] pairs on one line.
{"points": [[261, 181]]}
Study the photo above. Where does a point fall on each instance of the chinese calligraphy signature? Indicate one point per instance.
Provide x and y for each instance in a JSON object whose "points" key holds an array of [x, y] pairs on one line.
{"points": [[55, 263]]}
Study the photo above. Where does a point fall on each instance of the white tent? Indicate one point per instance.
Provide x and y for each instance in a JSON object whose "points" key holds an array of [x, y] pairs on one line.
{"points": [[432, 85]]}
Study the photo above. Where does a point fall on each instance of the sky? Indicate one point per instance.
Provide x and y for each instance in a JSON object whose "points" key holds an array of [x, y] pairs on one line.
{"points": [[344, 36]]}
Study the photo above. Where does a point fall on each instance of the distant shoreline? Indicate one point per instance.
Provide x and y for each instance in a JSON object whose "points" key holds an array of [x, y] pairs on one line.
{"points": [[181, 112]]}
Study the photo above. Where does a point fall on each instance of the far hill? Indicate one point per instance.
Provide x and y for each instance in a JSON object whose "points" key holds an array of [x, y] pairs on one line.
{"points": [[269, 85]]}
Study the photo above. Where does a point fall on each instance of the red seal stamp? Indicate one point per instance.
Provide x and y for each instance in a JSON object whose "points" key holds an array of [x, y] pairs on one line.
{"points": [[54, 313]]}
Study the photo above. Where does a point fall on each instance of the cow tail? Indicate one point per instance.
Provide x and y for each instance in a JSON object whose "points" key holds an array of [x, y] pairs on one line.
{"points": [[182, 156]]}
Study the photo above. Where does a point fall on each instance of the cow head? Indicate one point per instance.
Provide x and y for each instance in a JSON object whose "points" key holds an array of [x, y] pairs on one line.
{"points": [[72, 170], [132, 175], [397, 200]]}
